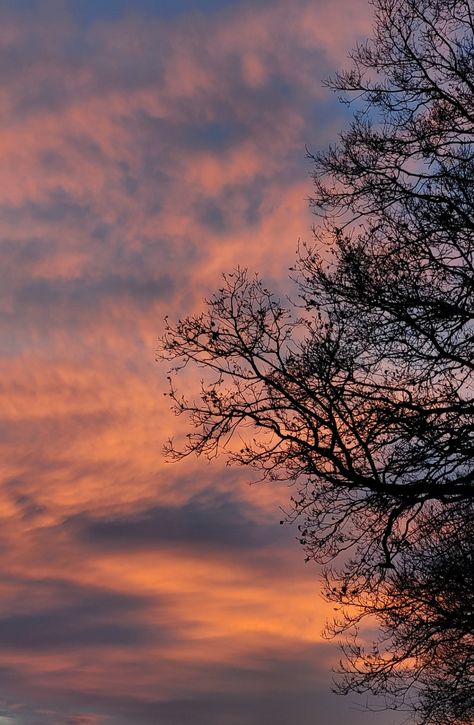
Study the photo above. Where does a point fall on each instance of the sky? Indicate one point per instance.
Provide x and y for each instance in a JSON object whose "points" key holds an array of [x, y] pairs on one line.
{"points": [[147, 146]]}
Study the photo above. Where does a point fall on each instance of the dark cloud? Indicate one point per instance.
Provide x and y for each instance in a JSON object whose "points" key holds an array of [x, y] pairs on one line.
{"points": [[65, 628], [280, 690], [218, 135], [29, 507], [58, 207], [211, 214], [18, 257], [89, 11], [51, 160], [214, 524], [80, 617], [86, 293], [192, 133], [85, 145], [236, 206]]}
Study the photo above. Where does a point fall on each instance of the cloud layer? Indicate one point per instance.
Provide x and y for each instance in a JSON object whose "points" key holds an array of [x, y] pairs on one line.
{"points": [[145, 148]]}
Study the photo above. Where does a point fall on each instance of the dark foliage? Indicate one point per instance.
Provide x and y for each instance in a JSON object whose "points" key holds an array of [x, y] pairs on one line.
{"points": [[361, 393]]}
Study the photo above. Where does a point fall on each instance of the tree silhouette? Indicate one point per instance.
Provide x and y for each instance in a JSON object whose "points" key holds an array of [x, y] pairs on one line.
{"points": [[360, 391], [423, 658]]}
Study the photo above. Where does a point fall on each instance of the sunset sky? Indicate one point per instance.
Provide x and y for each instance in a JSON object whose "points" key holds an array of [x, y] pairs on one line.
{"points": [[147, 146]]}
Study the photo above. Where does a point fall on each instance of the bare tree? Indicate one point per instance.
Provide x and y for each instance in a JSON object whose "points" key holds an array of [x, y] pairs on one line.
{"points": [[360, 393], [423, 659]]}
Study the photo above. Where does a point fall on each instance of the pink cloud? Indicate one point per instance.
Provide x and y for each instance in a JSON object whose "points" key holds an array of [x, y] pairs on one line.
{"points": [[140, 159]]}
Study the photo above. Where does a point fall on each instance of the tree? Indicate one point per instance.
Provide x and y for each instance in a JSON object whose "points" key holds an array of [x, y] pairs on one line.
{"points": [[423, 660], [360, 392]]}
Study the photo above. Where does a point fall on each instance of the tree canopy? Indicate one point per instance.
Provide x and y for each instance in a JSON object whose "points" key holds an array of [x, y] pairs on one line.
{"points": [[360, 391]]}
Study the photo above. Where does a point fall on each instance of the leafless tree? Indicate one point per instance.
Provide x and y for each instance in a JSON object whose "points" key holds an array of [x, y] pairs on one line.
{"points": [[423, 659], [360, 391]]}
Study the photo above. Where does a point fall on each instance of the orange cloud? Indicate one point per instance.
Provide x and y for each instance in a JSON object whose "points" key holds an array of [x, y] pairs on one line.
{"points": [[141, 157]]}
